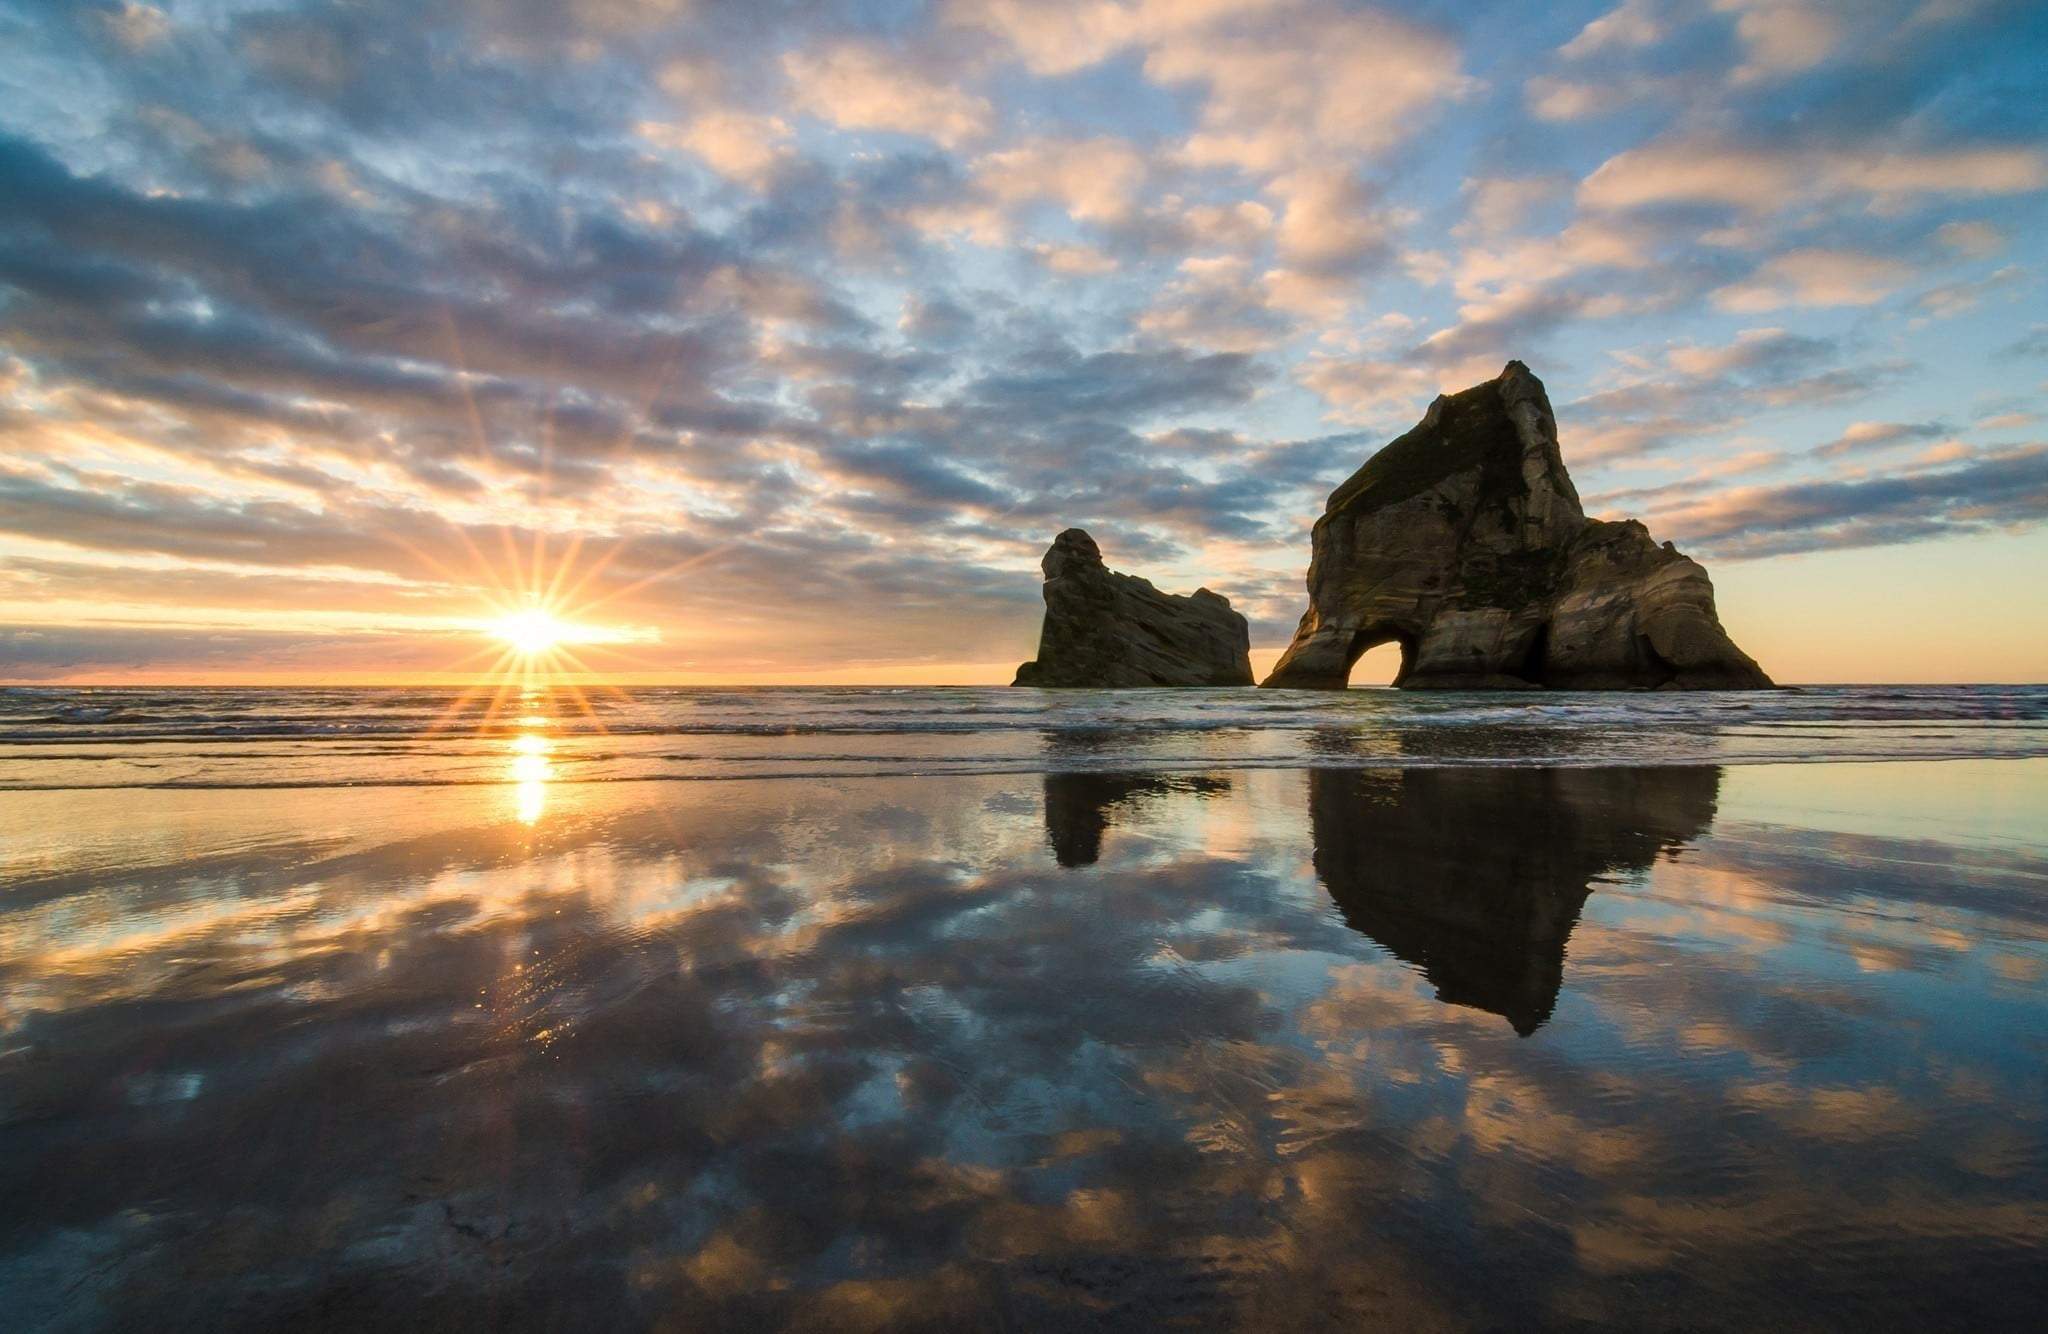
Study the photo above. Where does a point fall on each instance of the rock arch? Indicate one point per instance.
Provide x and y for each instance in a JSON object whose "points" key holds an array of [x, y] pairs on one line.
{"points": [[1465, 539]]}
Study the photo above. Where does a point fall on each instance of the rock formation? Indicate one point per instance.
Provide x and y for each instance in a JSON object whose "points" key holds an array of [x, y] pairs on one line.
{"points": [[1464, 542], [1105, 629], [1477, 875]]}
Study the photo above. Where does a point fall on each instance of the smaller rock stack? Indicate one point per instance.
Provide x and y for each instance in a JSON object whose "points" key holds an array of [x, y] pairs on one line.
{"points": [[1105, 630]]}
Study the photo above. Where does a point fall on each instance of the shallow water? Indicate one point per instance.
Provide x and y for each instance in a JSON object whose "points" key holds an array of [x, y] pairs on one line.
{"points": [[1464, 1045]]}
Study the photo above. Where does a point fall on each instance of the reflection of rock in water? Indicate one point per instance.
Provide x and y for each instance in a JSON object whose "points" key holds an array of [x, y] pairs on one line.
{"points": [[1080, 807], [1478, 875]]}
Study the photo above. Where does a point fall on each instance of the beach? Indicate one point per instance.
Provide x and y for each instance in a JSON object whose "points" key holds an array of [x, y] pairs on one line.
{"points": [[849, 1011]]}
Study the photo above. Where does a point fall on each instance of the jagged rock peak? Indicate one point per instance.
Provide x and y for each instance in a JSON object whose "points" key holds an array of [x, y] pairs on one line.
{"points": [[1464, 542], [1072, 552], [1106, 630]]}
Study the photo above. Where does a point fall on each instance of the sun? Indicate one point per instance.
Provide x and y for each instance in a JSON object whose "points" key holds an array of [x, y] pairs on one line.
{"points": [[531, 633], [535, 636]]}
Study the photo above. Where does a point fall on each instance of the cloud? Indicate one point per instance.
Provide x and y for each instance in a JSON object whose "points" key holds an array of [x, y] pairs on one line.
{"points": [[1750, 350], [936, 319], [1629, 26], [1570, 99], [1093, 180], [1497, 207], [856, 85], [1814, 278], [1955, 298], [135, 27], [1218, 304], [1332, 224], [1526, 263], [2034, 343], [45, 654], [1492, 328], [1075, 259], [1283, 84], [737, 145], [1781, 37], [1281, 97], [1241, 226], [1063, 36], [1866, 437], [1973, 240], [1058, 381], [1693, 391], [2000, 493], [1766, 178]]}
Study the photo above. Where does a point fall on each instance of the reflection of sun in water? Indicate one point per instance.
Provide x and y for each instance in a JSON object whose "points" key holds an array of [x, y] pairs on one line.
{"points": [[530, 773]]}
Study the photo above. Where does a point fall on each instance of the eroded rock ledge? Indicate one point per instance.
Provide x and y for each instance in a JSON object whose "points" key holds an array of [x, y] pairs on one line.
{"points": [[1464, 542], [1104, 629]]}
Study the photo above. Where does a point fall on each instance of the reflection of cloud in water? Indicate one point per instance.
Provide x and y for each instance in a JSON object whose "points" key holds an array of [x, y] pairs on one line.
{"points": [[1477, 875], [858, 1054]]}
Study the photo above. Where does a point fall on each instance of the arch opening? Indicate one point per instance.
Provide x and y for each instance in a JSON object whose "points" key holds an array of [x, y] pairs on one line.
{"points": [[1381, 660], [1533, 659], [1667, 671]]}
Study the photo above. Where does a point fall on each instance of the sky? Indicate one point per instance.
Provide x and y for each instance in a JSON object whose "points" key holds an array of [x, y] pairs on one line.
{"points": [[775, 341]]}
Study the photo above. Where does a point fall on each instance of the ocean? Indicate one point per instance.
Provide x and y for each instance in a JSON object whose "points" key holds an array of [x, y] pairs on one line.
{"points": [[982, 1008]]}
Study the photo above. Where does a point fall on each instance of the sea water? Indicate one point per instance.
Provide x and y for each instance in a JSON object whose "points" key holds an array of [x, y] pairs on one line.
{"points": [[980, 1008]]}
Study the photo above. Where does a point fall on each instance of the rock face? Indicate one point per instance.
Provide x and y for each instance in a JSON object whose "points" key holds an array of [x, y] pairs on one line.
{"points": [[1104, 629], [1464, 542]]}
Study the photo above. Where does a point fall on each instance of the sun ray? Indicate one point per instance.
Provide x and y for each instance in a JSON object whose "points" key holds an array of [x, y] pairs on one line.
{"points": [[675, 569], [566, 566]]}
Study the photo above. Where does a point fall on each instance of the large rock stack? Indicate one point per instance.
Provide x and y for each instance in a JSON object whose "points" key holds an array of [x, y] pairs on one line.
{"points": [[1464, 542]]}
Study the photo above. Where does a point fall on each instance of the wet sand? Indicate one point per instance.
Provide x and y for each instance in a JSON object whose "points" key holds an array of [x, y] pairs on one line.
{"points": [[1745, 1047]]}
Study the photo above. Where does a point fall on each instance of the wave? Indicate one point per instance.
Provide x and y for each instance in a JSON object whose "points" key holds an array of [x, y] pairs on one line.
{"points": [[262, 737], [860, 767]]}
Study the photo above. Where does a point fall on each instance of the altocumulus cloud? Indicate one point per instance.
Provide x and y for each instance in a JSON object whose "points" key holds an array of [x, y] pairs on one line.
{"points": [[791, 335]]}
